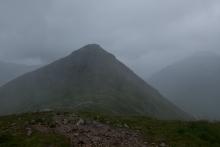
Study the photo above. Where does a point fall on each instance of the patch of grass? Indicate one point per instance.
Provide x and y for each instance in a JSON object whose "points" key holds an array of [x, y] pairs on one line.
{"points": [[35, 140], [14, 134]]}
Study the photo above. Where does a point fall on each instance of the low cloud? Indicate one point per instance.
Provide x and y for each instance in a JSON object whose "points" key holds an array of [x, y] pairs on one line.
{"points": [[145, 34]]}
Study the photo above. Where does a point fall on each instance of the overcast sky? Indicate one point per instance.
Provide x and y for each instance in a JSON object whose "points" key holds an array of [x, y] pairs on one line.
{"points": [[145, 34]]}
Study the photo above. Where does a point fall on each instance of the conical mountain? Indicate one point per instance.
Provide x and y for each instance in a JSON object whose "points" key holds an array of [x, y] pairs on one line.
{"points": [[88, 79]]}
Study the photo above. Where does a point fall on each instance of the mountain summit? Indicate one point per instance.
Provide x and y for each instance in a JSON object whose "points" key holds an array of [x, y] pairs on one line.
{"points": [[89, 79]]}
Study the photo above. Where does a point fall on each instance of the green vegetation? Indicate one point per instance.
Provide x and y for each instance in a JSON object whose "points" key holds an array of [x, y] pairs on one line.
{"points": [[13, 132], [174, 133]]}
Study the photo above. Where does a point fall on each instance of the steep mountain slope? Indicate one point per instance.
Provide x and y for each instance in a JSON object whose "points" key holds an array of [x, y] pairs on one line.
{"points": [[88, 79], [10, 71], [193, 84]]}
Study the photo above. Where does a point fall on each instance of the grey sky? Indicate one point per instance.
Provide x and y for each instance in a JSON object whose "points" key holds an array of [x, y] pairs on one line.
{"points": [[145, 34]]}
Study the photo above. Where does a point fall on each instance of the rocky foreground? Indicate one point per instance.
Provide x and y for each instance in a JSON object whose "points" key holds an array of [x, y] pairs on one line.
{"points": [[86, 129], [88, 133]]}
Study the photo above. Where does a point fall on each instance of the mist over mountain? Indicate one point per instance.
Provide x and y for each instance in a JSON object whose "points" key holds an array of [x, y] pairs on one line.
{"points": [[193, 84], [88, 79], [10, 71]]}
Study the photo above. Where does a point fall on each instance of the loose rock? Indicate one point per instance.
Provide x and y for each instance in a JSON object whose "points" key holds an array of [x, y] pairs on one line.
{"points": [[29, 131], [80, 122], [162, 144]]}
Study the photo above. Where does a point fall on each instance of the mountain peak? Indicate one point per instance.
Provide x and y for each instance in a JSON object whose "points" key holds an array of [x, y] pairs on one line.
{"points": [[92, 50], [92, 47]]}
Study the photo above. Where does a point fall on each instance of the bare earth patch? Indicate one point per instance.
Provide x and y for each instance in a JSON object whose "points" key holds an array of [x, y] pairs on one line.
{"points": [[84, 133]]}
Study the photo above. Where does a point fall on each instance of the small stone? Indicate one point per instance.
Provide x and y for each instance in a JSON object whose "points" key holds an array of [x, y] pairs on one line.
{"points": [[13, 124], [29, 131], [80, 122], [126, 126], [46, 110], [65, 121], [145, 142], [162, 144]]}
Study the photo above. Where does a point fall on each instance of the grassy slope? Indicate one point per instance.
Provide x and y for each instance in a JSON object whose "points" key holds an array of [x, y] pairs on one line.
{"points": [[14, 134], [174, 133]]}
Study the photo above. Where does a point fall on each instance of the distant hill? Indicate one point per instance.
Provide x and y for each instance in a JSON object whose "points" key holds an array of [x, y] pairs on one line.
{"points": [[193, 84], [88, 79], [11, 71]]}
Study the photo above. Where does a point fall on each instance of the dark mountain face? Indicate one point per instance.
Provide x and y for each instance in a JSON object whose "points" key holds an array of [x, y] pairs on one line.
{"points": [[193, 84], [88, 79], [10, 71]]}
